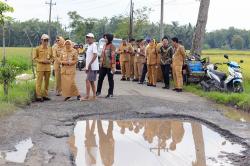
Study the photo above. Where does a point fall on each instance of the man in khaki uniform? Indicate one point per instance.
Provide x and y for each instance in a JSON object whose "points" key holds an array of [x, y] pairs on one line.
{"points": [[125, 50], [57, 53], [139, 60], [178, 60], [43, 57], [132, 58], [152, 62]]}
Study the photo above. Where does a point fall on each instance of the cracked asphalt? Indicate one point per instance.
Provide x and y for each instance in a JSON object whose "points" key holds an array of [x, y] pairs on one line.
{"points": [[50, 124]]}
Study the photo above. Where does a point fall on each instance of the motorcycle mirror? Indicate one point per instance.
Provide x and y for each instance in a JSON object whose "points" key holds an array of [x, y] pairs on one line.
{"points": [[241, 61], [226, 56]]}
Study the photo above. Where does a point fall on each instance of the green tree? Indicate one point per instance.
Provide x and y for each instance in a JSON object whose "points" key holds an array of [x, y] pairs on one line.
{"points": [[4, 8], [237, 42]]}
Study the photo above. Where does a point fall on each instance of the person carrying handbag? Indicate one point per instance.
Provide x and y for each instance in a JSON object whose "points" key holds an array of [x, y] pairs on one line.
{"points": [[107, 66]]}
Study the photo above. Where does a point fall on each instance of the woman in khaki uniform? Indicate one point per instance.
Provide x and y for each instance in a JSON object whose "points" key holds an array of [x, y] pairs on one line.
{"points": [[159, 72], [57, 53], [151, 54], [68, 71]]}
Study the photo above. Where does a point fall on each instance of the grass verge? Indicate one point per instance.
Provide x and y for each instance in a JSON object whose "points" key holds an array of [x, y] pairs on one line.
{"points": [[242, 100], [20, 95]]}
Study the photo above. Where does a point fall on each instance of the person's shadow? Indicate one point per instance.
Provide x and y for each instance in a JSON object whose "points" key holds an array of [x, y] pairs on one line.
{"points": [[106, 143], [90, 144]]}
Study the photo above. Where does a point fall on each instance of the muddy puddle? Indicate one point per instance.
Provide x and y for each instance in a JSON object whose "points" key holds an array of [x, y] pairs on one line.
{"points": [[147, 143], [234, 114], [238, 115], [19, 154]]}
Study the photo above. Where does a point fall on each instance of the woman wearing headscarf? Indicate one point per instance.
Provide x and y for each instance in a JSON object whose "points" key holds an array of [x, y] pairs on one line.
{"points": [[57, 53], [108, 65], [68, 71], [152, 63]]}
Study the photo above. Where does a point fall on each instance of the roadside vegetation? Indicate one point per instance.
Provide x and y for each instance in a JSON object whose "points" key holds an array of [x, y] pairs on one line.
{"points": [[242, 100], [20, 92]]}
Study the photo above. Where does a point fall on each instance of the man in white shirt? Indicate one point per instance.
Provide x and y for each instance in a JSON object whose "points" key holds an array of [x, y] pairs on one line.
{"points": [[92, 67]]}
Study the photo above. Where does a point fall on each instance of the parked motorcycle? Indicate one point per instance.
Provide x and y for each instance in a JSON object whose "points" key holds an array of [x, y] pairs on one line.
{"points": [[81, 62], [219, 81]]}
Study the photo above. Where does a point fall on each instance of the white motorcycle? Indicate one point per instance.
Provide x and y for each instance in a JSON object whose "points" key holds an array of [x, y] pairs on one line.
{"points": [[219, 81]]}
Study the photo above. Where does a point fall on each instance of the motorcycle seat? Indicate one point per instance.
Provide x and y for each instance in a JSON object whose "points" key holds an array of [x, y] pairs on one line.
{"points": [[221, 75]]}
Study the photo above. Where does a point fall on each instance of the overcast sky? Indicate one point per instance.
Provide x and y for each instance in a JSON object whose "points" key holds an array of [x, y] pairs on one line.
{"points": [[222, 13]]}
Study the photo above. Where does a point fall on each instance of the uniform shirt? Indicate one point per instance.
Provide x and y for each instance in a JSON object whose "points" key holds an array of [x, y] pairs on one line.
{"points": [[166, 54], [40, 55], [92, 49], [57, 53], [140, 56], [108, 56], [158, 46], [124, 55], [179, 56], [151, 54], [134, 48], [69, 55]]}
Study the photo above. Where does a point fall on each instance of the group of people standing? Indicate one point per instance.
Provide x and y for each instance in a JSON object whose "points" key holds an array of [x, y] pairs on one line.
{"points": [[64, 58], [137, 59], [147, 57]]}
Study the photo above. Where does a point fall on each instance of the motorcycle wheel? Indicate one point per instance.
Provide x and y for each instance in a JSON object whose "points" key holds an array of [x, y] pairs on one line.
{"points": [[80, 66], [205, 87], [238, 87]]}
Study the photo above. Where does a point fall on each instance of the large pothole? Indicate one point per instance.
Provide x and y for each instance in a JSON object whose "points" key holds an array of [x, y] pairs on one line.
{"points": [[18, 155], [150, 142]]}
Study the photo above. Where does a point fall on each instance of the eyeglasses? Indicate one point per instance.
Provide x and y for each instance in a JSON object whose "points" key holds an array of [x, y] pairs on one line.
{"points": [[46, 40], [57, 40]]}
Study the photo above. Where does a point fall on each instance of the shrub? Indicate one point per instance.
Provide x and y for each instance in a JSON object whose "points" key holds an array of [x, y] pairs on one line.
{"points": [[20, 94], [7, 76]]}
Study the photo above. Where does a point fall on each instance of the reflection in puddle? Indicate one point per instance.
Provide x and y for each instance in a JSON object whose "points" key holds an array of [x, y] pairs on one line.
{"points": [[147, 143], [19, 155]]}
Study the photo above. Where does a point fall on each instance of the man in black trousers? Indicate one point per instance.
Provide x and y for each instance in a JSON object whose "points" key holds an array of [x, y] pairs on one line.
{"points": [[166, 52], [145, 67]]}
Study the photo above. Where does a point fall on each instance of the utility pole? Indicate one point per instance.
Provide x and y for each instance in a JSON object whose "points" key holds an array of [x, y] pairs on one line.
{"points": [[50, 9], [161, 22], [4, 51], [58, 28], [131, 18]]}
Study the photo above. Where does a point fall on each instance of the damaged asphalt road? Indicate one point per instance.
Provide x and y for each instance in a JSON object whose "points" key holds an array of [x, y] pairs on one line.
{"points": [[50, 124]]}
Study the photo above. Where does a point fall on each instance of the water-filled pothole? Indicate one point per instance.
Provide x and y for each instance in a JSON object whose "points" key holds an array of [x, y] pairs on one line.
{"points": [[20, 152], [149, 142]]}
